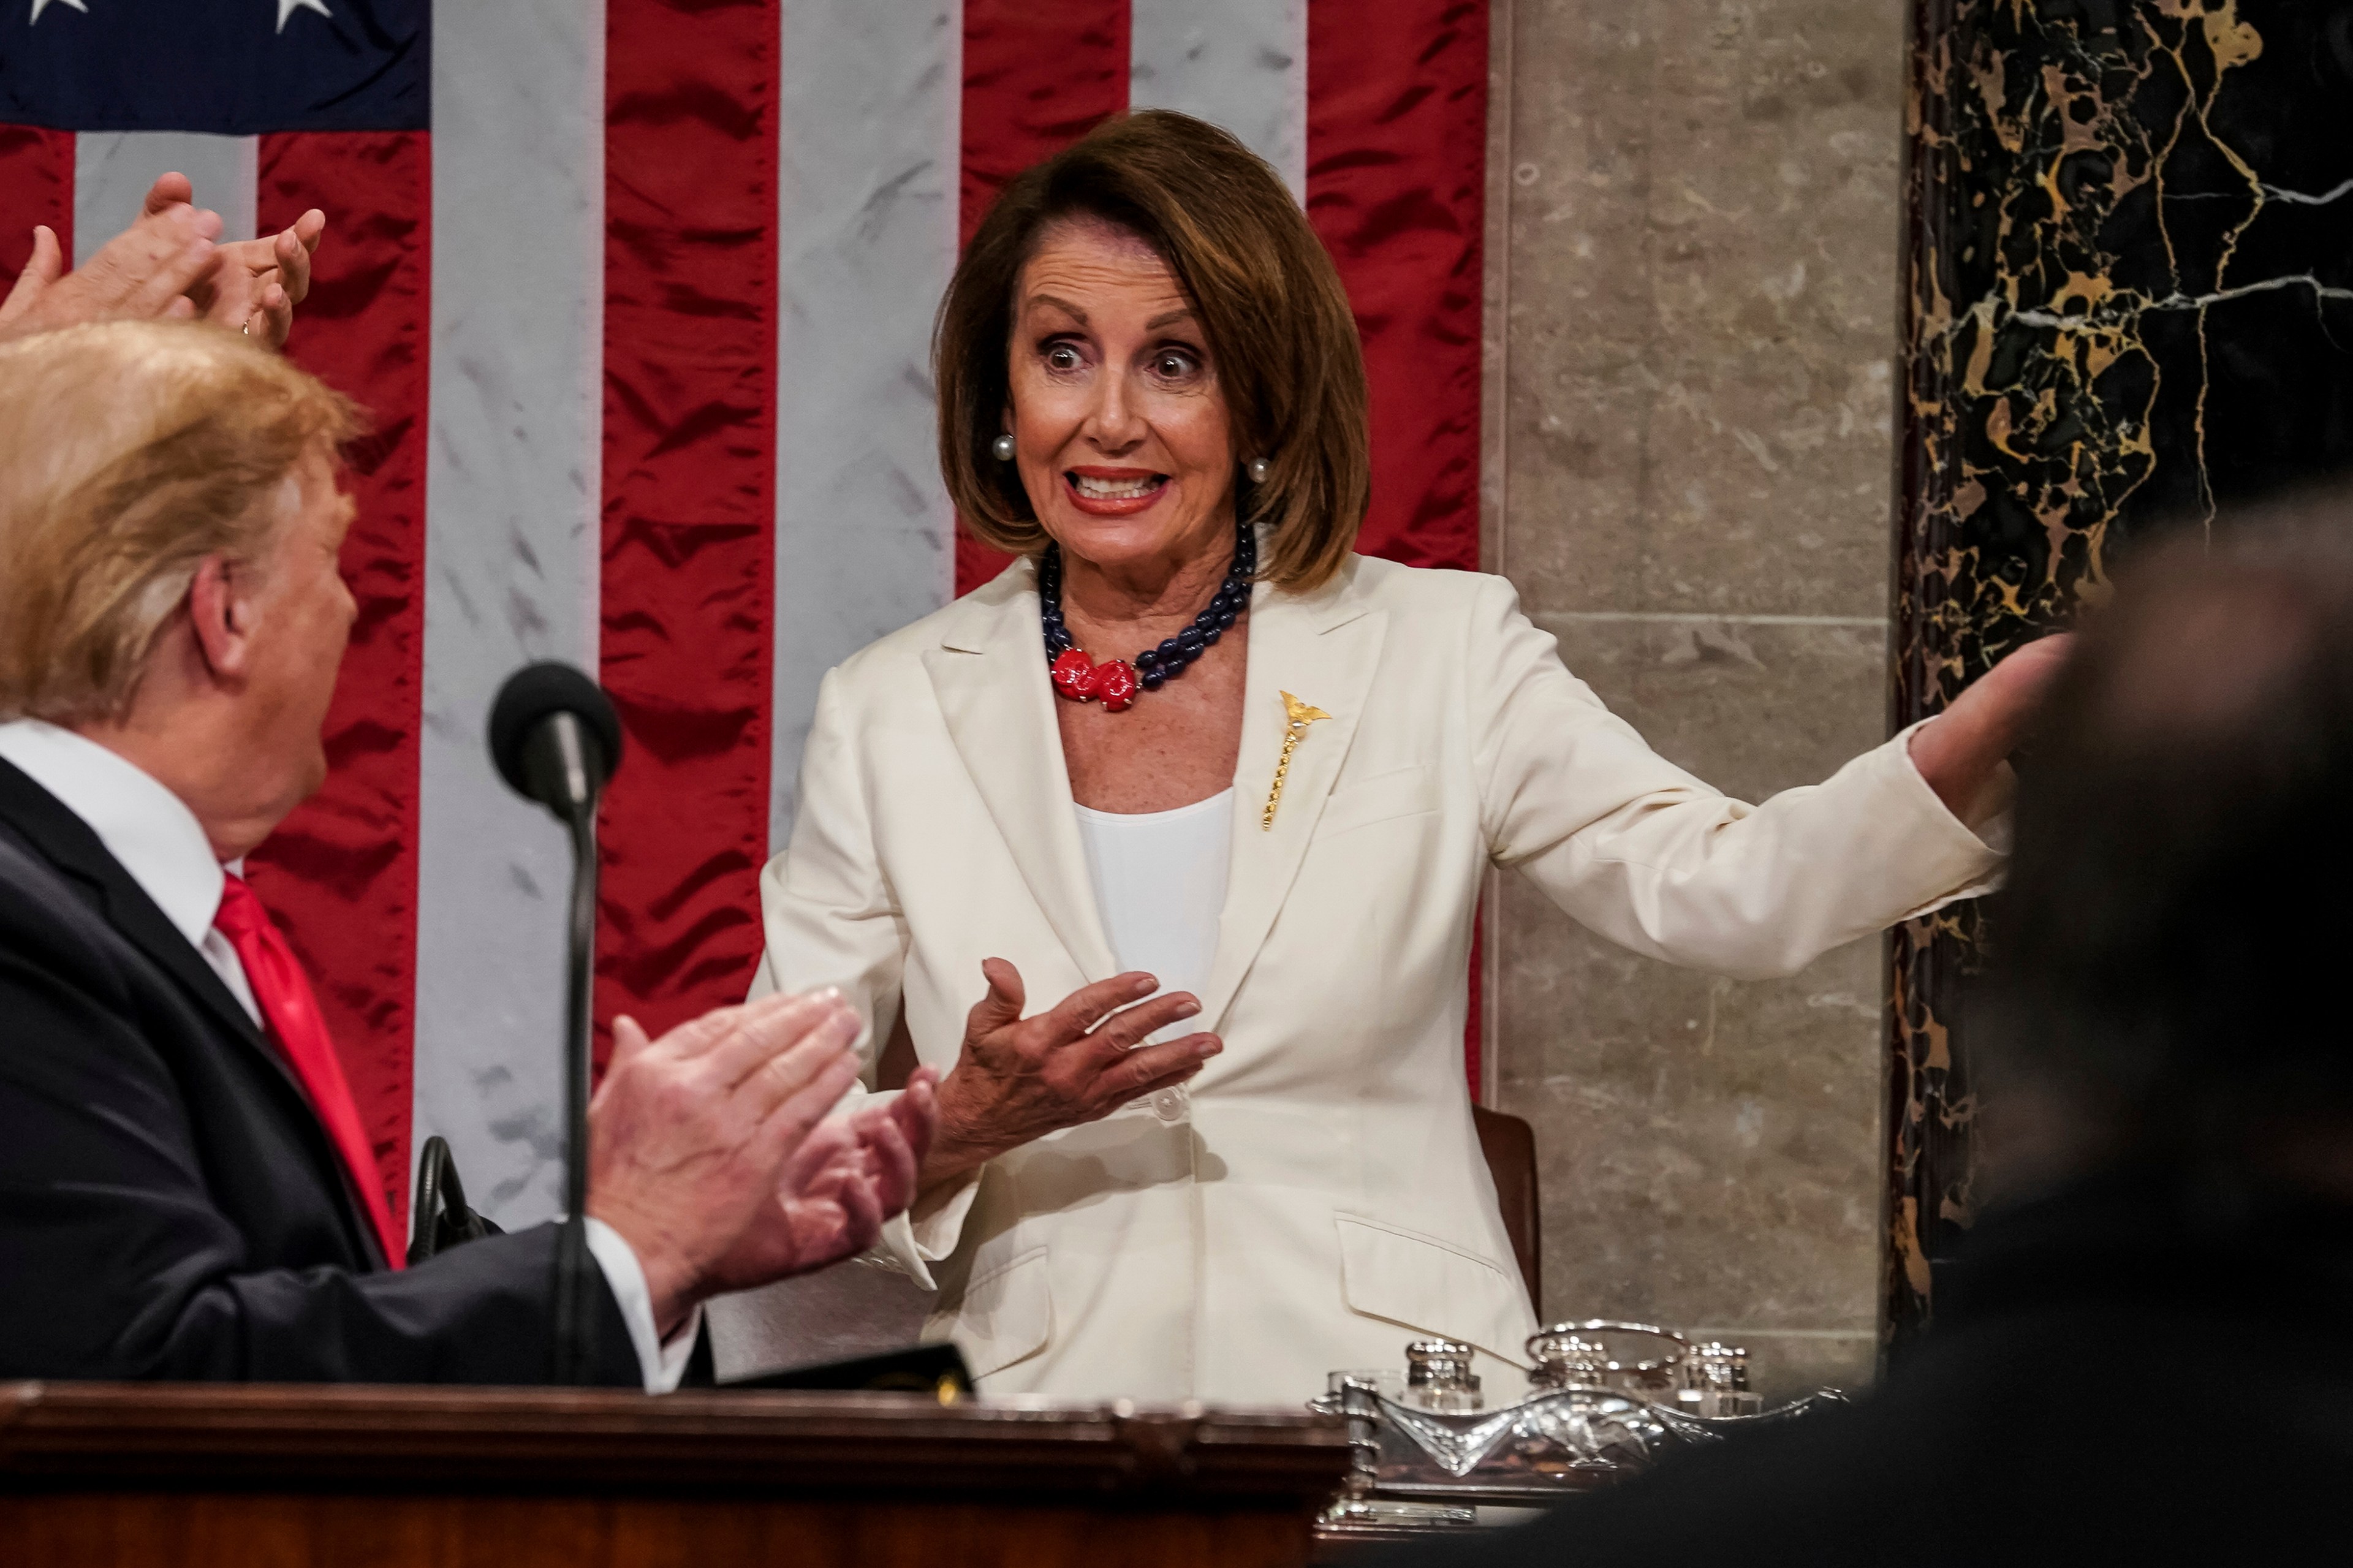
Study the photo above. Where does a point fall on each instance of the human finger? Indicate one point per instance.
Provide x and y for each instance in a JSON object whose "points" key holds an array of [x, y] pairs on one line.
{"points": [[1104, 1106], [761, 1029], [806, 1058], [1002, 1005], [1082, 1009], [629, 1038], [917, 1111], [1130, 1026], [891, 1162], [702, 1034], [864, 1210], [788, 1123], [258, 256], [1156, 1067], [170, 190], [43, 267], [295, 248], [277, 316]]}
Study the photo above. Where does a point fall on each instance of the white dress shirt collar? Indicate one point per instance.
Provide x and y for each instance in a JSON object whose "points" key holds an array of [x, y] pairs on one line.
{"points": [[146, 828]]}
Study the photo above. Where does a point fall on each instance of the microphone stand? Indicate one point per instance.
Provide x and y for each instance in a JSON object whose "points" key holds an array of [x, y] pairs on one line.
{"points": [[576, 1323]]}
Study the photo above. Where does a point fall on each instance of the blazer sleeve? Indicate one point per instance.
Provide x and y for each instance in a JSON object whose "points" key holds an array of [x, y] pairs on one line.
{"points": [[1645, 854], [831, 918], [119, 1265]]}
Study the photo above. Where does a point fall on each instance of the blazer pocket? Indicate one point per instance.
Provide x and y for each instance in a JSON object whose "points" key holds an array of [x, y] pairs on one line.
{"points": [[1006, 1314], [1421, 1282], [1384, 797]]}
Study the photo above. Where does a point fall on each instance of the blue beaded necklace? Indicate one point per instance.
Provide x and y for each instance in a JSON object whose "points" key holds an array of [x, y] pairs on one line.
{"points": [[1115, 684]]}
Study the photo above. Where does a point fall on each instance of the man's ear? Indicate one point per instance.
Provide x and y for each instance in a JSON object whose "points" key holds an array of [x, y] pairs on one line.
{"points": [[222, 613]]}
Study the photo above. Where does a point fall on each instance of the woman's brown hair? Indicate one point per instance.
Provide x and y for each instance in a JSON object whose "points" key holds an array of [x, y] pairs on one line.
{"points": [[1268, 300]]}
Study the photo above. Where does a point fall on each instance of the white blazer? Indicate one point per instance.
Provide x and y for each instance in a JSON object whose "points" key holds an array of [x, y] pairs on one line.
{"points": [[1318, 1197]]}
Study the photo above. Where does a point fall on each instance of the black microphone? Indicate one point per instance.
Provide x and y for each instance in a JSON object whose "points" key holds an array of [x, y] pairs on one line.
{"points": [[555, 740]]}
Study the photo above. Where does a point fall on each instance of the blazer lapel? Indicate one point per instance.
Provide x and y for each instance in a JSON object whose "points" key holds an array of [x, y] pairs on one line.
{"points": [[989, 676], [69, 845], [1322, 648]]}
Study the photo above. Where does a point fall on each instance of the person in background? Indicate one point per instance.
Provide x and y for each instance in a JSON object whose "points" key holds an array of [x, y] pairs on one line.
{"points": [[169, 266], [2137, 1355], [185, 1188]]}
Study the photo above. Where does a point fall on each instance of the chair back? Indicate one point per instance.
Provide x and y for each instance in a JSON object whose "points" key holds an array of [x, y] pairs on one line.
{"points": [[1510, 1145]]}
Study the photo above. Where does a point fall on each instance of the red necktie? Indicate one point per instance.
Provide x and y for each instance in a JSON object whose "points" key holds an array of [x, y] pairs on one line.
{"points": [[291, 1009]]}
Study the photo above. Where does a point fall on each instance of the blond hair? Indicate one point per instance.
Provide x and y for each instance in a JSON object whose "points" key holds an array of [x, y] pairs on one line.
{"points": [[1269, 301], [129, 452]]}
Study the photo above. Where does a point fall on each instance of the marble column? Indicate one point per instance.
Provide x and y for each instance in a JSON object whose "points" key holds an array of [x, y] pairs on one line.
{"points": [[2128, 306], [1693, 286]]}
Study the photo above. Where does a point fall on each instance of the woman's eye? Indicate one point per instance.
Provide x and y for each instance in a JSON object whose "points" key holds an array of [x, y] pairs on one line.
{"points": [[1172, 366], [1061, 356]]}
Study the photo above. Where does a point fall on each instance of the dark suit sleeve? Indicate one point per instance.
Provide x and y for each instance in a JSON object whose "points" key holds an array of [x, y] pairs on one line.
{"points": [[116, 1261]]}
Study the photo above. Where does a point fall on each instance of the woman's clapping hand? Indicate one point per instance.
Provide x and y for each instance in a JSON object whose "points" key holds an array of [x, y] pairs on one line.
{"points": [[1019, 1079]]}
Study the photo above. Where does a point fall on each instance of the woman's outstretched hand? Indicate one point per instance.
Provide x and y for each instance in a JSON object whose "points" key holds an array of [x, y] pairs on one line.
{"points": [[1019, 1079], [1960, 752]]}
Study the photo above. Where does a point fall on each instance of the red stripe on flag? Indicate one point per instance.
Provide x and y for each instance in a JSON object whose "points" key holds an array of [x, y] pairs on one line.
{"points": [[1036, 79], [1396, 159], [1397, 151], [690, 497], [341, 874], [37, 186]]}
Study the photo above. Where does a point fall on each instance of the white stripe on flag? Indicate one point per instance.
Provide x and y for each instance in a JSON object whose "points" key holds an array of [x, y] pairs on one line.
{"points": [[1241, 64], [867, 181], [112, 170], [869, 110], [512, 559]]}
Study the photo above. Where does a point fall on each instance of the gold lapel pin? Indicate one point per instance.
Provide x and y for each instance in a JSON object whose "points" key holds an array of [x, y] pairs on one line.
{"points": [[1299, 715]]}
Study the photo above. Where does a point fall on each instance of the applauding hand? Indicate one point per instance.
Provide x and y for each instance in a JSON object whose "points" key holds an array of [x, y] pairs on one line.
{"points": [[691, 1137], [168, 265], [852, 1175]]}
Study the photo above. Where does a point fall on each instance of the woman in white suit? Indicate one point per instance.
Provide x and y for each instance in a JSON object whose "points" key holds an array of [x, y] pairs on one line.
{"points": [[1235, 1151]]}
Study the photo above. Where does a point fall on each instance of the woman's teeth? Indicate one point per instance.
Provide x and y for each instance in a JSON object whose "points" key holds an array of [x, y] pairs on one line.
{"points": [[1117, 489]]}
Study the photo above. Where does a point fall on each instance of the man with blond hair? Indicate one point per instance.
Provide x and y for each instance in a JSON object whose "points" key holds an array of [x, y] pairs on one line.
{"points": [[185, 1191]]}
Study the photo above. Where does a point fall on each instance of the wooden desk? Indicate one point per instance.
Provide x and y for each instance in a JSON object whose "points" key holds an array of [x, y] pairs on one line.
{"points": [[188, 1477]]}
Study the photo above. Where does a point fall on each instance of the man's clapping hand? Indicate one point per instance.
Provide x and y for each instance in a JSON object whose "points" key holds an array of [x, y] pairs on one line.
{"points": [[710, 1153], [852, 1175]]}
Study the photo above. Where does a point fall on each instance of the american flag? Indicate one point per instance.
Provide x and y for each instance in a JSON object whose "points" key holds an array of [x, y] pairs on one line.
{"points": [[641, 295]]}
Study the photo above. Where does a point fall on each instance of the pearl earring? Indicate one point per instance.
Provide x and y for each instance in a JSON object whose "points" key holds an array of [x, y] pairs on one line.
{"points": [[1258, 469], [1003, 447]]}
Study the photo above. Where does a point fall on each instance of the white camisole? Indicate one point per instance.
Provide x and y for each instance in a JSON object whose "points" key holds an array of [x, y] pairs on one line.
{"points": [[1160, 885]]}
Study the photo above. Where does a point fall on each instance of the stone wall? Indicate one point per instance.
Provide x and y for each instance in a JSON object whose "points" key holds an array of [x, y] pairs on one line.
{"points": [[1693, 236]]}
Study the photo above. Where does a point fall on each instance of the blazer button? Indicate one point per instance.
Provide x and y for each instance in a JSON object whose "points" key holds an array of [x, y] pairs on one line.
{"points": [[1170, 1104]]}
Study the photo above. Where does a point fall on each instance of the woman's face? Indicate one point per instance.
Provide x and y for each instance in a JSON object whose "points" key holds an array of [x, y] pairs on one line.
{"points": [[1118, 425]]}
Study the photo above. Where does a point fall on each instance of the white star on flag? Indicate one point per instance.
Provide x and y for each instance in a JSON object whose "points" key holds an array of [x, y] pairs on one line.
{"points": [[285, 9], [41, 6]]}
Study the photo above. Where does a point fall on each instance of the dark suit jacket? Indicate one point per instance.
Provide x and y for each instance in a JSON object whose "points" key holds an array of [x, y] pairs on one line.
{"points": [[170, 1208], [2141, 1369]]}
